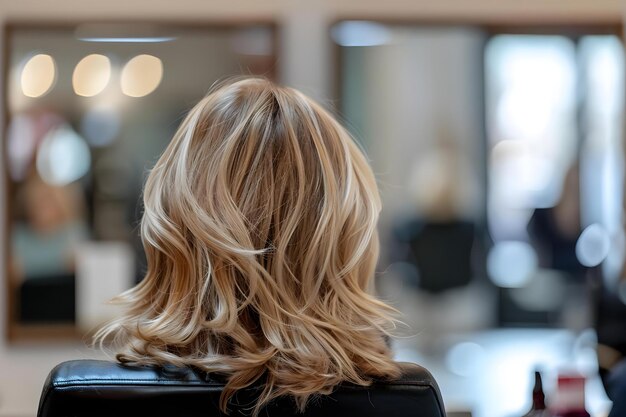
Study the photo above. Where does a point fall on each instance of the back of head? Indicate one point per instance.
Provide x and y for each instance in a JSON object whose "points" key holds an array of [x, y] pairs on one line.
{"points": [[260, 234]]}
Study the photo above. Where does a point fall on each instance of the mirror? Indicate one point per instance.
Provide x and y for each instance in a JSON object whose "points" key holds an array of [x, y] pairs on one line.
{"points": [[504, 143], [500, 159], [89, 109]]}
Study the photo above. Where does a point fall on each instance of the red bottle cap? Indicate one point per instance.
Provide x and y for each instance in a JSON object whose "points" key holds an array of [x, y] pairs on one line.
{"points": [[570, 394]]}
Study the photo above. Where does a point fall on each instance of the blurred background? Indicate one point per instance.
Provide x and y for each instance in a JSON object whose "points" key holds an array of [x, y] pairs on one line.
{"points": [[496, 132]]}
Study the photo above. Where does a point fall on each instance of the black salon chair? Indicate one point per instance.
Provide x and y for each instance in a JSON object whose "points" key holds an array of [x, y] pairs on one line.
{"points": [[89, 388]]}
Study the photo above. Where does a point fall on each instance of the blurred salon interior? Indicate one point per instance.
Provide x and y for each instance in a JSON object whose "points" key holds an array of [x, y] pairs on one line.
{"points": [[495, 129]]}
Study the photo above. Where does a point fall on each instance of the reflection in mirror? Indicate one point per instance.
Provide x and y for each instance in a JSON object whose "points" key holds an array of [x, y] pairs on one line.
{"points": [[412, 96], [555, 170], [500, 162], [90, 108]]}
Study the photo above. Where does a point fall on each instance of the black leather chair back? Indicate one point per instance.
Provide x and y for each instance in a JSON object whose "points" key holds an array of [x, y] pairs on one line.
{"points": [[90, 388]]}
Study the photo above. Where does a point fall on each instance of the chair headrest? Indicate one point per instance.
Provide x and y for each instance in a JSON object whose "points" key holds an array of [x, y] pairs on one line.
{"points": [[100, 388]]}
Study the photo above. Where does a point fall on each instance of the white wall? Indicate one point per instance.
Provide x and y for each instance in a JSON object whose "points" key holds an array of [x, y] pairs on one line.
{"points": [[305, 62]]}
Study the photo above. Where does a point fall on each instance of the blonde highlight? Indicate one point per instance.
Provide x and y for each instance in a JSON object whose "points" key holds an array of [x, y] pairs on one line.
{"points": [[259, 228]]}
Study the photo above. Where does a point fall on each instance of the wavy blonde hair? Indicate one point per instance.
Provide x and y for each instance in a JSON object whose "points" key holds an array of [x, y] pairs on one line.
{"points": [[260, 234]]}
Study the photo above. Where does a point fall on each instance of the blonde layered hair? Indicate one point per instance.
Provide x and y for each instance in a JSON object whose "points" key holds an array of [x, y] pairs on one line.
{"points": [[260, 234]]}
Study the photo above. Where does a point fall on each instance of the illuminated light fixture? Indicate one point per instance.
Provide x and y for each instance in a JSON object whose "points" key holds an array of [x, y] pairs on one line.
{"points": [[123, 33], [141, 75], [360, 33], [512, 264], [38, 75], [154, 39], [593, 245], [465, 358], [63, 156], [91, 75]]}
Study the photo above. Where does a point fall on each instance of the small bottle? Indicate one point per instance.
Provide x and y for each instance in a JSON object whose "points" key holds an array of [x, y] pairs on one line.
{"points": [[538, 409], [569, 400]]}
